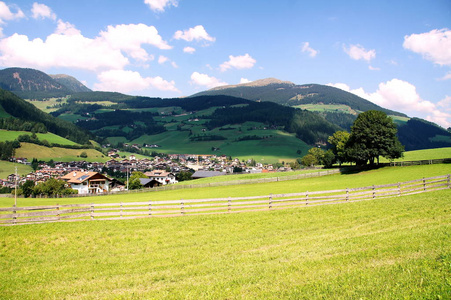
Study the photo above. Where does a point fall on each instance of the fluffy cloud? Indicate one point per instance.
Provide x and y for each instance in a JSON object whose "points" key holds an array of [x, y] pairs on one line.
{"points": [[434, 45], [160, 5], [131, 37], [244, 80], [42, 11], [162, 59], [238, 62], [67, 47], [306, 48], [197, 33], [7, 15], [402, 96], [446, 77], [357, 52], [189, 50], [130, 81], [206, 81]]}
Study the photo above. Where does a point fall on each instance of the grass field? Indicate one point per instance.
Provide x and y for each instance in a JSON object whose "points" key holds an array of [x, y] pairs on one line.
{"points": [[31, 151], [438, 153], [397, 248], [7, 168], [10, 135]]}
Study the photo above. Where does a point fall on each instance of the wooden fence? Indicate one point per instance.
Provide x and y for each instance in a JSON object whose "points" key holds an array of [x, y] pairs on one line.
{"points": [[170, 208]]}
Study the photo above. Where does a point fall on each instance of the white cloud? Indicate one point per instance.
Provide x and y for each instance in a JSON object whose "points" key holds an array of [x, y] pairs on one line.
{"points": [[131, 37], [357, 52], [306, 48], [189, 50], [206, 81], [373, 68], [244, 80], [400, 95], [66, 28], [160, 5], [42, 11], [129, 81], [446, 77], [60, 50], [238, 62], [197, 33], [67, 47], [434, 45], [162, 59], [7, 15]]}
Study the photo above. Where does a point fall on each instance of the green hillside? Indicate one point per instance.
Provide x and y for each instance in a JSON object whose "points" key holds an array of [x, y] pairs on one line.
{"points": [[8, 135], [25, 111], [288, 93]]}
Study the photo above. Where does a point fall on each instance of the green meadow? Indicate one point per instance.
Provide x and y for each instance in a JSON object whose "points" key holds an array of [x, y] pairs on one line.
{"points": [[396, 248], [31, 151], [10, 135], [7, 168]]}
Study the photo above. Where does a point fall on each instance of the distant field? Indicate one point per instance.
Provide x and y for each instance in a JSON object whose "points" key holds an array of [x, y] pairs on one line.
{"points": [[328, 108], [8, 135], [42, 105], [31, 151], [277, 147], [427, 154], [7, 168], [397, 248]]}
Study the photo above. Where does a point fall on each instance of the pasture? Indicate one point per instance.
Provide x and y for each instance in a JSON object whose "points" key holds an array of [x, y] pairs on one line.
{"points": [[396, 248], [31, 151], [11, 135], [7, 168]]}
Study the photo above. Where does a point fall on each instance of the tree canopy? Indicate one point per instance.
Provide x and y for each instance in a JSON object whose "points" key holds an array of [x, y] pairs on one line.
{"points": [[373, 135]]}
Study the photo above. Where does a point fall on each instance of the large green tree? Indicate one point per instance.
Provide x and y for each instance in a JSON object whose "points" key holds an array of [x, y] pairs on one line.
{"points": [[373, 135]]}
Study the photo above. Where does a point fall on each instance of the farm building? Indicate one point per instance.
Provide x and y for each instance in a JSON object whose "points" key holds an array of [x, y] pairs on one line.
{"points": [[162, 176]]}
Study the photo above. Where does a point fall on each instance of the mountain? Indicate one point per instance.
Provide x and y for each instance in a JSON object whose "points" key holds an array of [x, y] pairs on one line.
{"points": [[70, 83], [34, 84], [290, 94], [19, 109]]}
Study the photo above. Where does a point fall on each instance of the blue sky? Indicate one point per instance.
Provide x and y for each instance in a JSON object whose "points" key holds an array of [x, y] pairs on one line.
{"points": [[394, 53]]}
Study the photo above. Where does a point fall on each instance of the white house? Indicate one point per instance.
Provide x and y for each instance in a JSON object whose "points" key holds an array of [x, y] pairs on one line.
{"points": [[162, 176], [88, 182]]}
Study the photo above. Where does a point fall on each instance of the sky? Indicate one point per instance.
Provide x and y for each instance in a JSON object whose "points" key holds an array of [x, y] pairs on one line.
{"points": [[396, 54]]}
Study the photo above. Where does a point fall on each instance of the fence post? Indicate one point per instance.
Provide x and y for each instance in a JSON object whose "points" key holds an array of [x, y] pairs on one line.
{"points": [[182, 211], [347, 194], [306, 198], [58, 208], [229, 205], [92, 211], [424, 184], [121, 209], [374, 192], [150, 207], [14, 215], [270, 201], [399, 189], [449, 181]]}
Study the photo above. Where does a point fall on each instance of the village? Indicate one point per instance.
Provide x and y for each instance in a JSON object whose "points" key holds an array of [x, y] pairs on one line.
{"points": [[112, 176]]}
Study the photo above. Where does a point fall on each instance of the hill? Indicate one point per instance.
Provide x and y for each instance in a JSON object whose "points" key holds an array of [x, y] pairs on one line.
{"points": [[70, 83], [288, 93], [34, 84], [23, 111]]}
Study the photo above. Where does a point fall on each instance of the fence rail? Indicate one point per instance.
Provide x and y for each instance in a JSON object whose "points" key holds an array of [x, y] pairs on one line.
{"points": [[169, 208]]}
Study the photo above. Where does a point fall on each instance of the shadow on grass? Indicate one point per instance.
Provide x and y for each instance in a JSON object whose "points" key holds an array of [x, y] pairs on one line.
{"points": [[349, 170]]}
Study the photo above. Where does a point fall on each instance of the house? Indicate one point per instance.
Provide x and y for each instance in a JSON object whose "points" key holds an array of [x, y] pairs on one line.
{"points": [[149, 183], [162, 176], [88, 182]]}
